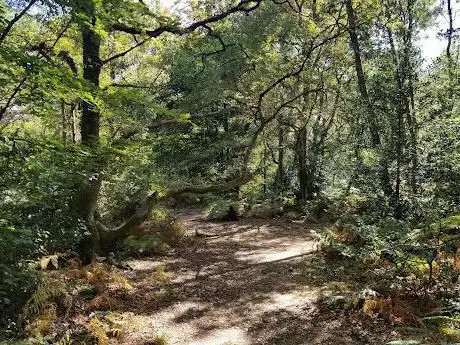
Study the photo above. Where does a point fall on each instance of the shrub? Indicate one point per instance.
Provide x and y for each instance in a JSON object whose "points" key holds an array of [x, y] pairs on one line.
{"points": [[36, 216], [144, 245], [169, 229], [18, 282], [218, 209], [157, 235], [160, 339]]}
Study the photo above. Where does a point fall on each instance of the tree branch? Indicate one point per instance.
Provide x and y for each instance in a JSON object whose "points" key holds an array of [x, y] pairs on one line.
{"points": [[110, 236], [245, 6], [61, 33], [10, 99], [135, 86], [127, 85], [13, 21], [121, 54]]}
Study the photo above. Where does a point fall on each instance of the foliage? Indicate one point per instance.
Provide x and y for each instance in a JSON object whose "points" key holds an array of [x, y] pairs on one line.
{"points": [[327, 106], [158, 235], [97, 330], [145, 245], [47, 292], [218, 209], [38, 179]]}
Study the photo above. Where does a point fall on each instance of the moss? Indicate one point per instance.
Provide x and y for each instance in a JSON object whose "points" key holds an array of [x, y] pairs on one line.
{"points": [[88, 292], [450, 332]]}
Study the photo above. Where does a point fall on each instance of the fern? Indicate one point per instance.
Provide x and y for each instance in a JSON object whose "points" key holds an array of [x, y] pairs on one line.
{"points": [[96, 327], [47, 291], [66, 339]]}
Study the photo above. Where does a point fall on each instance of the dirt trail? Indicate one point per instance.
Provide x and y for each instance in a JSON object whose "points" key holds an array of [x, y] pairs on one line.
{"points": [[242, 287]]}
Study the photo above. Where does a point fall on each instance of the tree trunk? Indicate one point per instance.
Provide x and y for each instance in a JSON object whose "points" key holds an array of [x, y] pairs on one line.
{"points": [[264, 171], [409, 98], [384, 176], [109, 237], [86, 200], [64, 122], [73, 123], [85, 203], [450, 62], [401, 110], [279, 181], [413, 132], [91, 72], [405, 102], [301, 152]]}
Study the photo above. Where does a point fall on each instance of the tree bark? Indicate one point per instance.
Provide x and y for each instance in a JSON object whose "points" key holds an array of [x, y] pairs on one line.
{"points": [[73, 123], [85, 203], [86, 200], [109, 237], [384, 176], [301, 152], [91, 72], [410, 99], [405, 102], [450, 32], [401, 110], [64, 122], [450, 61], [280, 179]]}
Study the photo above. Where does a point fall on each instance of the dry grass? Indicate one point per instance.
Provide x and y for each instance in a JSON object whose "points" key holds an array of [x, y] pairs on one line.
{"points": [[160, 339]]}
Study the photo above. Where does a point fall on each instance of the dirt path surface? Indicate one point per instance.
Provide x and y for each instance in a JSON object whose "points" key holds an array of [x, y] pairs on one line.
{"points": [[244, 286]]}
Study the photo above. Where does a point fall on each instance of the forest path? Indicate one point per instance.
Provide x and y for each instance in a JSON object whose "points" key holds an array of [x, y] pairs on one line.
{"points": [[245, 286]]}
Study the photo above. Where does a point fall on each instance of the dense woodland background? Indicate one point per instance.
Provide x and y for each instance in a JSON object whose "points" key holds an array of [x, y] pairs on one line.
{"points": [[319, 110]]}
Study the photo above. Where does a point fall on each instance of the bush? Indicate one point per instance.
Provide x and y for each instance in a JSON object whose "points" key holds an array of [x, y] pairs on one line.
{"points": [[158, 234], [36, 216], [218, 209], [144, 245], [18, 282]]}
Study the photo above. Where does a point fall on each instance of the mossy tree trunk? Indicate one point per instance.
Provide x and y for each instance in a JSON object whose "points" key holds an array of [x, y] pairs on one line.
{"points": [[98, 236]]}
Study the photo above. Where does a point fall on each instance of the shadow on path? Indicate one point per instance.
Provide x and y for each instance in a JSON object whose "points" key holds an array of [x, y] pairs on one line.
{"points": [[244, 286]]}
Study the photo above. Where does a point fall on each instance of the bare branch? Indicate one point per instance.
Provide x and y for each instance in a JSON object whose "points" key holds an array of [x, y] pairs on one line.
{"points": [[121, 54], [133, 86], [13, 21], [10, 99], [61, 33], [245, 6]]}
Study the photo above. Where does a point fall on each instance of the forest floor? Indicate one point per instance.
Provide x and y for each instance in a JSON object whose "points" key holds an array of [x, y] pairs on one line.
{"points": [[246, 285]]}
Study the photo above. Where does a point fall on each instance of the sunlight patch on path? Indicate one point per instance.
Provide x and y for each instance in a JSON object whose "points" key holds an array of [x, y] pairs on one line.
{"points": [[241, 278], [226, 336], [275, 251], [289, 300], [144, 264]]}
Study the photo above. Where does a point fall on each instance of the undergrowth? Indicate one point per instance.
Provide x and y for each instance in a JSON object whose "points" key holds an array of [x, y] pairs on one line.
{"points": [[157, 235], [413, 266]]}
